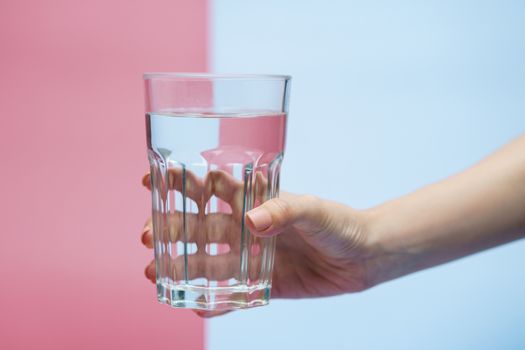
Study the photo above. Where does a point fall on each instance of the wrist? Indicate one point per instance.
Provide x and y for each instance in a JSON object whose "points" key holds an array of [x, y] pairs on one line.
{"points": [[388, 259]]}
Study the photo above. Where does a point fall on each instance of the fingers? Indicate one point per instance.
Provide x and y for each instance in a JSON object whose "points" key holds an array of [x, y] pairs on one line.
{"points": [[221, 268], [211, 228], [194, 186], [146, 181], [210, 314], [261, 188], [149, 271], [225, 187], [217, 183], [217, 228], [202, 229], [276, 215], [147, 235], [218, 268]]}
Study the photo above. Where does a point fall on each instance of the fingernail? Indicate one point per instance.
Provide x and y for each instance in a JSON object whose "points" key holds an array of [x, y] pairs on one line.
{"points": [[145, 181], [144, 232], [149, 272], [260, 218]]}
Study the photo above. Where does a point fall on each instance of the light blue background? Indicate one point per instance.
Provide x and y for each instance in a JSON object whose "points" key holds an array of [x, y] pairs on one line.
{"points": [[387, 96]]}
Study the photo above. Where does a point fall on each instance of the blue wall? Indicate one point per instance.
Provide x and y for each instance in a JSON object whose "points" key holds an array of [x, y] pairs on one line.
{"points": [[387, 96]]}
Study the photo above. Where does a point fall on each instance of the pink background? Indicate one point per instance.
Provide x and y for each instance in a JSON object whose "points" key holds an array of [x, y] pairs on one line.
{"points": [[73, 152]]}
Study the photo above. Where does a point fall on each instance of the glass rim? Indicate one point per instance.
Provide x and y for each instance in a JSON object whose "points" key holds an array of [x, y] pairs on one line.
{"points": [[213, 76]]}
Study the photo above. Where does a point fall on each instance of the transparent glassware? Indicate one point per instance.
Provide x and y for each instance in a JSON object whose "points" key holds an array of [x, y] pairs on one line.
{"points": [[215, 147]]}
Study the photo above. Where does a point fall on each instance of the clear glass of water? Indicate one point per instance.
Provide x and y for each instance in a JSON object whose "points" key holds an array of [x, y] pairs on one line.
{"points": [[215, 147]]}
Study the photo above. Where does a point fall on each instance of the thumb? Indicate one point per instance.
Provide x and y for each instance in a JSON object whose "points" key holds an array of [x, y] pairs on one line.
{"points": [[277, 214]]}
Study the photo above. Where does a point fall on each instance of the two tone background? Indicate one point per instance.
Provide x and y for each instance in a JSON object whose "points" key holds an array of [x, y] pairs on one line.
{"points": [[387, 96]]}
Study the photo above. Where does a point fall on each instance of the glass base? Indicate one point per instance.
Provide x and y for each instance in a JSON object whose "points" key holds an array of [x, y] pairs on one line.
{"points": [[213, 298]]}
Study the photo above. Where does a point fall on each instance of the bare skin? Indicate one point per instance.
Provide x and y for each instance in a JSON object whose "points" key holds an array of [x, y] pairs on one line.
{"points": [[336, 249]]}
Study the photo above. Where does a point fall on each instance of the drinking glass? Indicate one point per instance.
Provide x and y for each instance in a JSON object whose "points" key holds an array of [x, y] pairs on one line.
{"points": [[215, 148]]}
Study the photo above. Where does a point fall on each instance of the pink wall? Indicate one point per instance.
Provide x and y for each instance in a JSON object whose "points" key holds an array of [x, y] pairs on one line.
{"points": [[73, 152]]}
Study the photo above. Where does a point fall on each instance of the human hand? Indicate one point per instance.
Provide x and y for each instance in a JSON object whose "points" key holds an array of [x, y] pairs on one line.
{"points": [[321, 249], [325, 248]]}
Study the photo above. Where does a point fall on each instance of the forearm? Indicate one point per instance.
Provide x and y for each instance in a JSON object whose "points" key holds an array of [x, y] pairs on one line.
{"points": [[475, 210]]}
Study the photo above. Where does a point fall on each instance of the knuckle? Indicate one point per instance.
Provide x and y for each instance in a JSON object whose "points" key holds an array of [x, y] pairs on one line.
{"points": [[310, 201], [314, 213], [281, 211]]}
